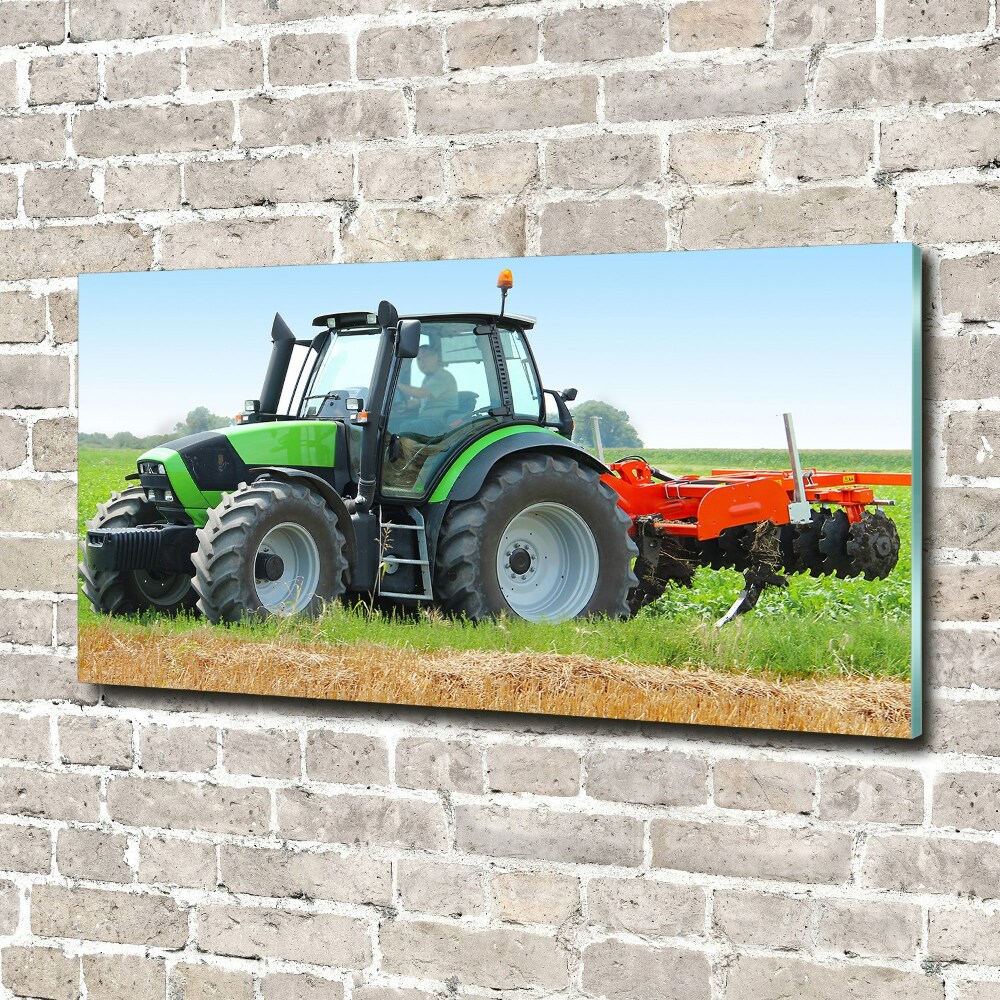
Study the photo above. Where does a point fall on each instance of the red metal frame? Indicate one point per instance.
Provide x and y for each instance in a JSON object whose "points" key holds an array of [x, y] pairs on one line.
{"points": [[704, 506]]}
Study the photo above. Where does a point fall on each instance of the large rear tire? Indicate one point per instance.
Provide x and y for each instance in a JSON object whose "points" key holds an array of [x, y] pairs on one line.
{"points": [[128, 592], [544, 540], [270, 548]]}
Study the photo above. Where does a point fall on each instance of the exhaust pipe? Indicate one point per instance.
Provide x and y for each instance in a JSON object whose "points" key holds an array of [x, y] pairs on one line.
{"points": [[283, 342]]}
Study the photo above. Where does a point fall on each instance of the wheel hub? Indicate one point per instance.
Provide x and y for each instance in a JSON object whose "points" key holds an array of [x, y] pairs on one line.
{"points": [[286, 569], [268, 567], [519, 560], [161, 589]]}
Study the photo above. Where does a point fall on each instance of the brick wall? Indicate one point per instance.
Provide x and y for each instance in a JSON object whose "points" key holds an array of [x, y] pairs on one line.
{"points": [[166, 846]]}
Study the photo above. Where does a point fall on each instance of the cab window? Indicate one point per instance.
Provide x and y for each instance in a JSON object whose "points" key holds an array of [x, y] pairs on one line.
{"points": [[442, 398], [524, 388]]}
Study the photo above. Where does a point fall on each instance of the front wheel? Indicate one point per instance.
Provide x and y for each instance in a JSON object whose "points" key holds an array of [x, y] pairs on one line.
{"points": [[544, 540], [127, 592], [270, 548]]}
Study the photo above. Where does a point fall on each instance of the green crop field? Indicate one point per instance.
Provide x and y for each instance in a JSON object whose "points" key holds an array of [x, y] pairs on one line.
{"points": [[815, 626]]}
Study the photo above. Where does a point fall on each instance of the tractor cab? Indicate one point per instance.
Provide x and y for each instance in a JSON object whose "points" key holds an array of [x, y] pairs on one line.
{"points": [[471, 373]]}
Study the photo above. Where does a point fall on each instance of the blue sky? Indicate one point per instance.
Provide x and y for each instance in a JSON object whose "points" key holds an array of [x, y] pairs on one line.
{"points": [[703, 349]]}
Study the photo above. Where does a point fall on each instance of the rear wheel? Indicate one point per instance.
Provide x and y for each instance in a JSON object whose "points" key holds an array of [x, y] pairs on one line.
{"points": [[544, 540], [127, 592], [270, 548]]}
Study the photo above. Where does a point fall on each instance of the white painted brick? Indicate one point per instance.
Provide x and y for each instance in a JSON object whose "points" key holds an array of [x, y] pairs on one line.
{"points": [[535, 897], [548, 137], [764, 919], [716, 157], [142, 74], [309, 59]]}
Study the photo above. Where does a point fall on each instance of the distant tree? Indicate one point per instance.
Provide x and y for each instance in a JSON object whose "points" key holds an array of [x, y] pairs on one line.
{"points": [[616, 428], [125, 439], [201, 419]]}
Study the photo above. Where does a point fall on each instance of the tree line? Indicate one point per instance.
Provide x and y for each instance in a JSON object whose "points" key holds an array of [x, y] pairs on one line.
{"points": [[616, 429], [198, 420]]}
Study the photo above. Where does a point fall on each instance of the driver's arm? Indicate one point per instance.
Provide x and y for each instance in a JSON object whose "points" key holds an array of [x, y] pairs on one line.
{"points": [[414, 392]]}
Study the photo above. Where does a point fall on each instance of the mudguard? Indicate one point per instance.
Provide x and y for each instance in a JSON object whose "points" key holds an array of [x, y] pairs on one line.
{"points": [[470, 480]]}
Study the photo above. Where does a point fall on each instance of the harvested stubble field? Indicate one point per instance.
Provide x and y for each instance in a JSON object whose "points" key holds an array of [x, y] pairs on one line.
{"points": [[822, 655], [208, 659]]}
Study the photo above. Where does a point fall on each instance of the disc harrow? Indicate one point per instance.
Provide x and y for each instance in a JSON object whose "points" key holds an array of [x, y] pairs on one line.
{"points": [[873, 545], [671, 562], [833, 545], [766, 524], [806, 543]]}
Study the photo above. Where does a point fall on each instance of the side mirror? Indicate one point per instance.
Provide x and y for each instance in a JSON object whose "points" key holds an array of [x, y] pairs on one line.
{"points": [[569, 395], [408, 338]]}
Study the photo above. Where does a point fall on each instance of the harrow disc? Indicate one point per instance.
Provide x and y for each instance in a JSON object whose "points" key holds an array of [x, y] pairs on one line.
{"points": [[805, 544], [786, 539], [676, 562], [873, 545], [833, 545], [710, 554], [736, 544]]}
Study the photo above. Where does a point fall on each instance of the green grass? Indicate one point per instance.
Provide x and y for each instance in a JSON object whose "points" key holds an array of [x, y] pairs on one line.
{"points": [[699, 461], [102, 471], [814, 626]]}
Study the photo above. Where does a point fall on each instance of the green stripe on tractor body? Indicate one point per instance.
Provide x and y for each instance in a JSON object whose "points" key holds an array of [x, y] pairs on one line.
{"points": [[458, 466], [287, 442]]}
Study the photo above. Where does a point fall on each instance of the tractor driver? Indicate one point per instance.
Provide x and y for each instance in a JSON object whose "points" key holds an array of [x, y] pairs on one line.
{"points": [[436, 398]]}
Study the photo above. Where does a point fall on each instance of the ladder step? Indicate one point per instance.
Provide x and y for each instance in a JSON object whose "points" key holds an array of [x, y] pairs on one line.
{"points": [[423, 561]]}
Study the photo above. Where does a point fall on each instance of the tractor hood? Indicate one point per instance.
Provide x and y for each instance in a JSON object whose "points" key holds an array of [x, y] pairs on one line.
{"points": [[199, 468]]}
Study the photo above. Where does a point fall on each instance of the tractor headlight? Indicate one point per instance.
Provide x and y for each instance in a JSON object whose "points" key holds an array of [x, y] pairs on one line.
{"points": [[168, 496]]}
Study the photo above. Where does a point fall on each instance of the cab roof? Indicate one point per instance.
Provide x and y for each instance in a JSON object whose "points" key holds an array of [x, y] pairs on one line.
{"points": [[358, 320]]}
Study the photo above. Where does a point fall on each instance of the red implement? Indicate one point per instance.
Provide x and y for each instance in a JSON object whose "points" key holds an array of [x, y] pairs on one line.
{"points": [[703, 507]]}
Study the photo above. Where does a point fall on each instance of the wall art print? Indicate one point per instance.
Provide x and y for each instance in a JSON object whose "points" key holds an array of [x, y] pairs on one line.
{"points": [[675, 487]]}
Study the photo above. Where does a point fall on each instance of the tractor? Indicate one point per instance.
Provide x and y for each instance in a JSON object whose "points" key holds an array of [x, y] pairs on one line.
{"points": [[419, 460]]}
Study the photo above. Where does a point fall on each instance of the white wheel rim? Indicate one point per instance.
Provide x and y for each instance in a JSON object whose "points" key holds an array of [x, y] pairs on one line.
{"points": [[295, 588], [547, 563]]}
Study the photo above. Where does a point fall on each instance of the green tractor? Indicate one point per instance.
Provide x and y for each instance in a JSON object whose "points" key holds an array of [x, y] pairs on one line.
{"points": [[418, 463]]}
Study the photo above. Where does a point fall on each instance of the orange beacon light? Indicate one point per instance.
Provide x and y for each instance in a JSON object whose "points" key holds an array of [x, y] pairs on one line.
{"points": [[505, 283]]}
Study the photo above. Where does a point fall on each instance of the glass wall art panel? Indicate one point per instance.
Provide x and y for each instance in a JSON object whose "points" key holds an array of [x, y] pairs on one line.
{"points": [[675, 487]]}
